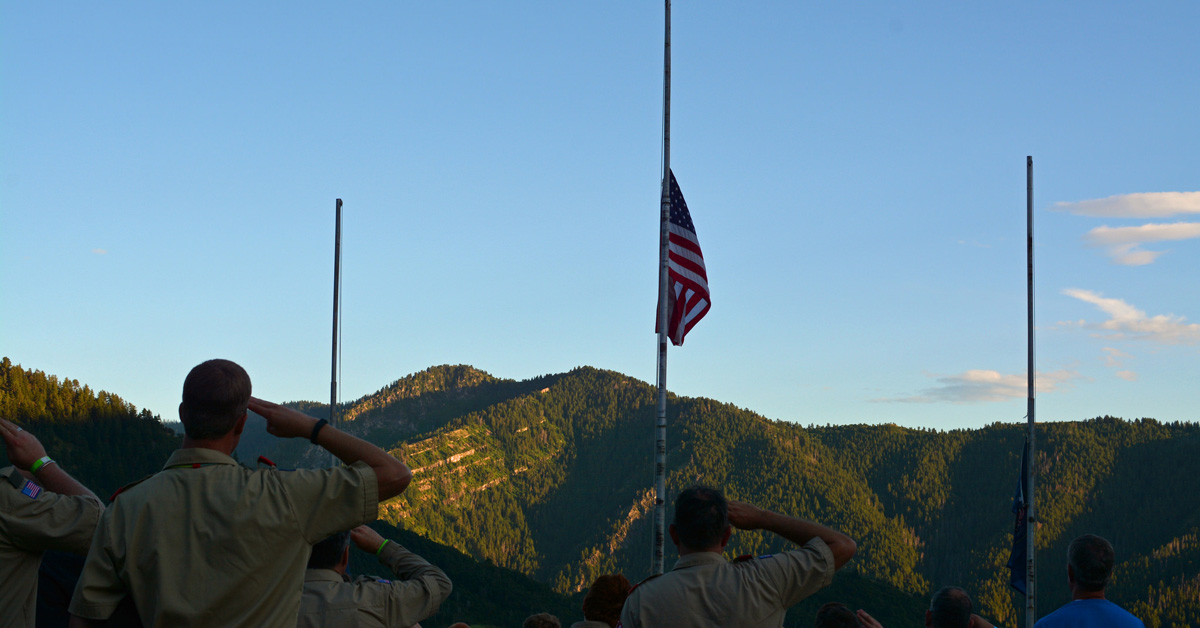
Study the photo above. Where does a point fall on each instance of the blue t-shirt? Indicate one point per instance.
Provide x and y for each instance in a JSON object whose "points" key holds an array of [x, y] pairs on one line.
{"points": [[1086, 613]]}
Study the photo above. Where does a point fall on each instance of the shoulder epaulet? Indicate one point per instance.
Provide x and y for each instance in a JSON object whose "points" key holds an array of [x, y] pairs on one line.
{"points": [[748, 557], [634, 587], [13, 476], [127, 487]]}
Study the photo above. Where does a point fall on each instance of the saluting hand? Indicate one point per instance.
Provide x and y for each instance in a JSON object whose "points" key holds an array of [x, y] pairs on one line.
{"points": [[282, 421], [366, 539], [24, 449], [743, 516]]}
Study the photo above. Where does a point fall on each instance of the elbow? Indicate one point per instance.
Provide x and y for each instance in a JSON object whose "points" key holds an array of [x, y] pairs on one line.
{"points": [[394, 479], [843, 551]]}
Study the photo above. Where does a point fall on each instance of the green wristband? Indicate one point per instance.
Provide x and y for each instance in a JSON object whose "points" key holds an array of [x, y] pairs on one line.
{"points": [[41, 462], [381, 546]]}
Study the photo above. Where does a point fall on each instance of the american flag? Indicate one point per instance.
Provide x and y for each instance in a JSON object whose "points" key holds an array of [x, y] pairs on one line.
{"points": [[687, 283]]}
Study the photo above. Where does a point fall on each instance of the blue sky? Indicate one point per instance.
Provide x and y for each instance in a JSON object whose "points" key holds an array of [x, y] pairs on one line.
{"points": [[856, 175]]}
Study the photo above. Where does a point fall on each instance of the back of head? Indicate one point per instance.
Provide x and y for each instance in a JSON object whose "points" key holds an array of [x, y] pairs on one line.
{"points": [[950, 608], [215, 395], [1091, 559], [836, 615], [701, 517], [605, 599], [541, 620], [328, 553]]}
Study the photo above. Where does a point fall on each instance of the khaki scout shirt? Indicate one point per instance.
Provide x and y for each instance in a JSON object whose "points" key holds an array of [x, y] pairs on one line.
{"points": [[330, 600], [705, 590], [33, 520], [588, 623], [207, 542]]}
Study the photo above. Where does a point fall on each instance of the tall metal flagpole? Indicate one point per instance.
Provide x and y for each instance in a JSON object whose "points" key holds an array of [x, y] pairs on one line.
{"points": [[337, 275], [660, 447], [1030, 518]]}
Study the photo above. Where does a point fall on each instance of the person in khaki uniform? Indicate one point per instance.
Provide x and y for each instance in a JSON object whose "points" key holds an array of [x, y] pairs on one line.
{"points": [[332, 600], [705, 590], [207, 542], [55, 512]]}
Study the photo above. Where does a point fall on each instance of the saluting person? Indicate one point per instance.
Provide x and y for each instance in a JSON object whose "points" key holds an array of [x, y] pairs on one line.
{"points": [[41, 508], [207, 542], [706, 590], [332, 600]]}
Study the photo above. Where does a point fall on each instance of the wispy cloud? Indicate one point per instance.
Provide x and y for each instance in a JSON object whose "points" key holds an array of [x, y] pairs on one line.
{"points": [[1126, 321], [985, 386], [1122, 242], [1114, 357], [1128, 376], [1144, 205], [100, 251]]}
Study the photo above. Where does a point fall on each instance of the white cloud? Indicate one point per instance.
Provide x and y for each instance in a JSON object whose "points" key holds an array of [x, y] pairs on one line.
{"points": [[100, 251], [1128, 376], [984, 386], [1126, 321], [1144, 205], [1114, 357], [1123, 242]]}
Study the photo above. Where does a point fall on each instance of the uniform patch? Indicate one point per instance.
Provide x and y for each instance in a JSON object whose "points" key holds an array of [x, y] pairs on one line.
{"points": [[31, 490]]}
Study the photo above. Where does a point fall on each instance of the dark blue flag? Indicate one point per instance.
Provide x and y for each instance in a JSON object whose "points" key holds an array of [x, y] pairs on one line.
{"points": [[1018, 557]]}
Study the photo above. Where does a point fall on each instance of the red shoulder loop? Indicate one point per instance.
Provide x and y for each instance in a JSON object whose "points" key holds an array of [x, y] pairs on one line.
{"points": [[743, 558], [634, 587], [267, 461]]}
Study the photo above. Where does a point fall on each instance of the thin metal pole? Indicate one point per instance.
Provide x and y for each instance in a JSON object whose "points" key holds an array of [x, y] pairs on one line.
{"points": [[337, 275], [1030, 518], [660, 447]]}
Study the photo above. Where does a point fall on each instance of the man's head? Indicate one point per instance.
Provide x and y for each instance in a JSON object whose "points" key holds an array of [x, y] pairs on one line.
{"points": [[701, 519], [215, 396], [541, 620], [949, 608], [605, 599], [329, 553], [1090, 563], [836, 615]]}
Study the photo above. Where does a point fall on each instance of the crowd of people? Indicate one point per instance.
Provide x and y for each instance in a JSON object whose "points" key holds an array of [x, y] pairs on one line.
{"points": [[208, 542]]}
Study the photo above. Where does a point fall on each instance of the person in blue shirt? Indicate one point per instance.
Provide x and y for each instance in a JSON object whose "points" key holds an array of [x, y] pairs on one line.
{"points": [[1089, 566]]}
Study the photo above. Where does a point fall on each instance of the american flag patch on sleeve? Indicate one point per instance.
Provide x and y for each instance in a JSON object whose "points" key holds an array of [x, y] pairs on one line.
{"points": [[31, 490]]}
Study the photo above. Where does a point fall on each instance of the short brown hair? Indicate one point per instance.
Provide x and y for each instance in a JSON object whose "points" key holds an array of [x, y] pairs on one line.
{"points": [[701, 516], [215, 395], [605, 599], [1091, 559], [836, 615], [541, 620]]}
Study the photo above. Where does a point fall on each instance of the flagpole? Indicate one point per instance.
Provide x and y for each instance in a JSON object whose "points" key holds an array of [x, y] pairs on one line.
{"points": [[660, 425], [1030, 518], [337, 274]]}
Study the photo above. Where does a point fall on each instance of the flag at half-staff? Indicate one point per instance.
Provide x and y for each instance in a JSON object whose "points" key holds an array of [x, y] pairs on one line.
{"points": [[687, 290]]}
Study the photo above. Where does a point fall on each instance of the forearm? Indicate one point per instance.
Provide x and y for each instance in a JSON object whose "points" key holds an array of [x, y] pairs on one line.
{"points": [[800, 532], [54, 479], [406, 565], [392, 475]]}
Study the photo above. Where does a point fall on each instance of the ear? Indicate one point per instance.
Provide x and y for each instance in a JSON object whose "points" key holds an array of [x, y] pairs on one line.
{"points": [[928, 618], [725, 536], [674, 534], [240, 425]]}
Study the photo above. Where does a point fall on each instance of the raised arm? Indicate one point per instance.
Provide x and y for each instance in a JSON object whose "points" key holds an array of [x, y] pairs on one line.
{"points": [[799, 531], [24, 450], [420, 587], [392, 475]]}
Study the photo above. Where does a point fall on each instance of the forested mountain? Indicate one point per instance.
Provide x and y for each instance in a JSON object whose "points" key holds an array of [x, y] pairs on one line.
{"points": [[93, 434], [552, 477]]}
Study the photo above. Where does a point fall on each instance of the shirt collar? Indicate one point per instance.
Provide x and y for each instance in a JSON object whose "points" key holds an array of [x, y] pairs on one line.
{"points": [[197, 455], [323, 575], [697, 559]]}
